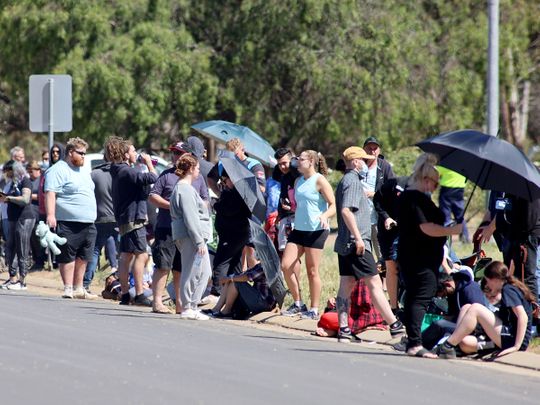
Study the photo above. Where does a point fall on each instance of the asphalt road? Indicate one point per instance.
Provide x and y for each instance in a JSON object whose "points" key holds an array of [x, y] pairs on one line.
{"points": [[66, 351]]}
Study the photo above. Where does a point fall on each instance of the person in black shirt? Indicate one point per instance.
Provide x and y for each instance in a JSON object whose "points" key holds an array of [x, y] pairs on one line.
{"points": [[420, 247], [386, 202], [510, 329], [21, 222], [517, 223], [232, 227]]}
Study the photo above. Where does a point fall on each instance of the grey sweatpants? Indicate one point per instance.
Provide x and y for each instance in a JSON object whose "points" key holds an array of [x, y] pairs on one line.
{"points": [[193, 280]]}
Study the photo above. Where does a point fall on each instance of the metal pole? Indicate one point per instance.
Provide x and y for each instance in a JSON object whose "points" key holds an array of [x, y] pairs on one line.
{"points": [[51, 110], [493, 69]]}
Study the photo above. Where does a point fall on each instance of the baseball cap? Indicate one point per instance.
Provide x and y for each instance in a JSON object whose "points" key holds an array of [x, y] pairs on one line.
{"points": [[372, 139], [356, 152], [181, 147]]}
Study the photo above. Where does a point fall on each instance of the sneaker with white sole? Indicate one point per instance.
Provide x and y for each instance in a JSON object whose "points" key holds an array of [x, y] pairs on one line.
{"points": [[68, 292], [193, 315], [7, 283], [17, 286], [81, 294], [294, 310], [310, 315]]}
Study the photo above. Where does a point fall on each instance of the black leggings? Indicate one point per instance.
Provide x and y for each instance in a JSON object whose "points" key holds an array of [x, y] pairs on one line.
{"points": [[420, 288]]}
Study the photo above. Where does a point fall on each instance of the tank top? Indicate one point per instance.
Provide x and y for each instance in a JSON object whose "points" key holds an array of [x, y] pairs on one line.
{"points": [[310, 204]]}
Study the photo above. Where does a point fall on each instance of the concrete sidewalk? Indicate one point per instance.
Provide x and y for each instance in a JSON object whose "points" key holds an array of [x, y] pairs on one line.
{"points": [[48, 283], [519, 359]]}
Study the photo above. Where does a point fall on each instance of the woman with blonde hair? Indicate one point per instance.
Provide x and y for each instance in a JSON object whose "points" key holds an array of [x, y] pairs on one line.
{"points": [[190, 231], [315, 205], [420, 247]]}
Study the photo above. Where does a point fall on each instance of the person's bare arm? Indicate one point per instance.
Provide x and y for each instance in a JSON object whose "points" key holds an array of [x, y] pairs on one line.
{"points": [[435, 230], [50, 208], [159, 201]]}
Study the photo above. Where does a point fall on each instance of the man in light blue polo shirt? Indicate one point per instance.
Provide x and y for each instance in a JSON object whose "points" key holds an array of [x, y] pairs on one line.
{"points": [[71, 209]]}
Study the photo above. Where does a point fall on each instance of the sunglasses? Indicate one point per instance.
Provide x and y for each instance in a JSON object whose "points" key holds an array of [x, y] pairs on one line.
{"points": [[78, 152]]}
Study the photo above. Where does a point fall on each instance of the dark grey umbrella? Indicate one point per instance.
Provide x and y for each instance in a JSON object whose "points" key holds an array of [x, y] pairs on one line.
{"points": [[266, 252], [489, 162], [246, 184]]}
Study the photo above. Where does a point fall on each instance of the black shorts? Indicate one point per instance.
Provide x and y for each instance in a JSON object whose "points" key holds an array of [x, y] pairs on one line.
{"points": [[309, 239], [134, 241], [357, 266], [164, 252], [508, 339], [81, 238], [388, 243]]}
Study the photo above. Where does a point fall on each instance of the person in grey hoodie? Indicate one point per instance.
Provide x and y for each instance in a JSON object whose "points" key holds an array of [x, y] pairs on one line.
{"points": [[190, 231], [107, 231]]}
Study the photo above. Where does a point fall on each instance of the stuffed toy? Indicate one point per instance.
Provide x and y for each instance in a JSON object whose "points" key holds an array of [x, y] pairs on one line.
{"points": [[48, 239]]}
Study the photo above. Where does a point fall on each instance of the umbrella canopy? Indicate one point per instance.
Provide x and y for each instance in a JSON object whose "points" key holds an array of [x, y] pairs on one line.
{"points": [[266, 252], [247, 186], [489, 162], [255, 145]]}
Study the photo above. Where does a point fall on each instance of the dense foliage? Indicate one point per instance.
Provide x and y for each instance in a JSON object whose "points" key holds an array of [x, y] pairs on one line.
{"points": [[306, 73]]}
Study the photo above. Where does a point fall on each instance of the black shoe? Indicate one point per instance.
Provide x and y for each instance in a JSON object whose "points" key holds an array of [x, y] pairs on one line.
{"points": [[221, 315], [142, 301], [445, 352], [344, 335], [397, 328], [125, 299]]}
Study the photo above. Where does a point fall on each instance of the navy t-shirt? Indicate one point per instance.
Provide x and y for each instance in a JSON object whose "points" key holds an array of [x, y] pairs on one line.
{"points": [[14, 211], [513, 297]]}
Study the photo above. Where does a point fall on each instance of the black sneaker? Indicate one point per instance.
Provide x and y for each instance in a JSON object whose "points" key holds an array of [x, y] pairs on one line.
{"points": [[142, 301], [344, 335], [294, 310], [446, 352], [397, 328], [124, 300]]}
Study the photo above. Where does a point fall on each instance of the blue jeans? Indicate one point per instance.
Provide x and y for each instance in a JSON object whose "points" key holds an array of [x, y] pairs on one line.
{"points": [[451, 202], [107, 234]]}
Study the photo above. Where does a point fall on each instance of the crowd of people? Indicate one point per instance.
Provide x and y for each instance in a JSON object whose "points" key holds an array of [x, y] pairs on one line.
{"points": [[383, 222]]}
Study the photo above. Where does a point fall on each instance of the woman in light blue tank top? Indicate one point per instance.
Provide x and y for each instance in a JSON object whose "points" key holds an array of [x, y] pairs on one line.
{"points": [[315, 205]]}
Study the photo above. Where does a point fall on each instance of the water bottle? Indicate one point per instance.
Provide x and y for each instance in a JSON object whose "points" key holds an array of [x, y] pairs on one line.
{"points": [[141, 160], [197, 261]]}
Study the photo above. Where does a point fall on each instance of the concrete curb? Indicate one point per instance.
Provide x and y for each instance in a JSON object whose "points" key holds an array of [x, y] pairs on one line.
{"points": [[526, 360]]}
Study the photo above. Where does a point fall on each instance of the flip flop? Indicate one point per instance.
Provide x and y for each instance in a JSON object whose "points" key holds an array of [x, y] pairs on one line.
{"points": [[422, 353], [162, 310]]}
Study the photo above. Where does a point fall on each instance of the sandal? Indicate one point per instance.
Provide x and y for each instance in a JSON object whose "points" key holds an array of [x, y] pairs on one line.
{"points": [[161, 310], [424, 353]]}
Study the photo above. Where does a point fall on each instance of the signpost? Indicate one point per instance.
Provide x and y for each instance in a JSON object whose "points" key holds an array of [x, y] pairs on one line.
{"points": [[50, 104]]}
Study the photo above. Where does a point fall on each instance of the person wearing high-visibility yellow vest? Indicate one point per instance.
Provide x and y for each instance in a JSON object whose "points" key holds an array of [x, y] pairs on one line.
{"points": [[451, 200]]}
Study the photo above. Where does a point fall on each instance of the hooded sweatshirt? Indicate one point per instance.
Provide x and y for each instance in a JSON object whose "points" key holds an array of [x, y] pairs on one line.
{"points": [[41, 191], [197, 147], [467, 292], [101, 176]]}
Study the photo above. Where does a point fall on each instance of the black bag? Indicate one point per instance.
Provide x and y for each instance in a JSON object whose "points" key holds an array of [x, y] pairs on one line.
{"points": [[248, 303]]}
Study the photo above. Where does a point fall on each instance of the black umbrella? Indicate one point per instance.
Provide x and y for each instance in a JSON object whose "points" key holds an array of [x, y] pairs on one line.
{"points": [[489, 162], [266, 252], [246, 184]]}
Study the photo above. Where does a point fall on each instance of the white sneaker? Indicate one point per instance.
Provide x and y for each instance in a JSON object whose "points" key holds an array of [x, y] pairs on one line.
{"points": [[81, 294], [68, 292], [187, 314], [16, 286], [194, 315], [199, 316]]}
